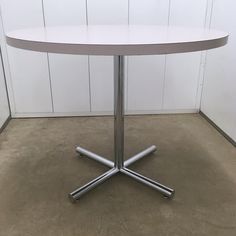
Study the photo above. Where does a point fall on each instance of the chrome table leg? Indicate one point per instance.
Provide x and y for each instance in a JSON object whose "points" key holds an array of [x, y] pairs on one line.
{"points": [[95, 157], [119, 165], [75, 195], [168, 192], [119, 78], [140, 155]]}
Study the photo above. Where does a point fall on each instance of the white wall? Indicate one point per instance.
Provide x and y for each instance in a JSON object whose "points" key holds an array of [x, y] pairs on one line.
{"points": [[146, 74], [4, 106], [182, 70], [219, 91], [29, 70], [42, 84], [69, 74], [101, 67]]}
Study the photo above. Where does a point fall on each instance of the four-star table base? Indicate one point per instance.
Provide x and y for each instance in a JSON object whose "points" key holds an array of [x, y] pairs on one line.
{"points": [[119, 165]]}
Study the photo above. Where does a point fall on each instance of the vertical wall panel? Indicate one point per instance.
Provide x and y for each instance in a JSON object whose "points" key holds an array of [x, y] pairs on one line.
{"points": [[101, 68], [146, 73], [6, 65], [69, 73], [4, 108], [4, 74], [70, 83], [182, 70], [149, 12], [101, 74], [204, 56], [65, 12], [29, 70], [219, 90], [107, 12]]}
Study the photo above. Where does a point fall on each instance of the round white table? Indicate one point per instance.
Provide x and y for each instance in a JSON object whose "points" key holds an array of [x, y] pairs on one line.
{"points": [[119, 41]]}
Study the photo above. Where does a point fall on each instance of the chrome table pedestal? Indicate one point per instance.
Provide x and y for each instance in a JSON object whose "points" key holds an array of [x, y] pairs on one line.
{"points": [[119, 165]]}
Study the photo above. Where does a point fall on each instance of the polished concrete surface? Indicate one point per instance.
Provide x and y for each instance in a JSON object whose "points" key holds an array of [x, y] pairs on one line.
{"points": [[39, 166]]}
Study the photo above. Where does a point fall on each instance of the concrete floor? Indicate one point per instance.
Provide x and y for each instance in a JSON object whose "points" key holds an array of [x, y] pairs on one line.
{"points": [[39, 166]]}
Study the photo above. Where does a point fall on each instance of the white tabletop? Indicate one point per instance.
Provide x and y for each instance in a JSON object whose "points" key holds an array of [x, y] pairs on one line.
{"points": [[116, 39]]}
